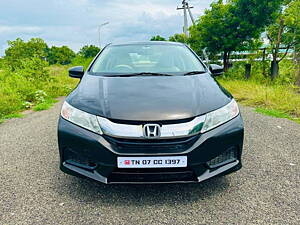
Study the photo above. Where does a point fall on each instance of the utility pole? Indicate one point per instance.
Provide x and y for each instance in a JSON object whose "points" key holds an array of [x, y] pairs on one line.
{"points": [[186, 9], [99, 35]]}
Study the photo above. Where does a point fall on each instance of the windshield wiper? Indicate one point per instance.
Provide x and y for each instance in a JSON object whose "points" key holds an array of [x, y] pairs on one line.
{"points": [[145, 74], [194, 72]]}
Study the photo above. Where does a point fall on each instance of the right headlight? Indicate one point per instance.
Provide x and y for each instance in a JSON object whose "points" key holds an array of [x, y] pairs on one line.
{"points": [[220, 116], [80, 118]]}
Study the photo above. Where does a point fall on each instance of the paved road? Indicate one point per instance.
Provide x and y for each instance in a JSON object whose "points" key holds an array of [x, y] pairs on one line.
{"points": [[34, 191]]}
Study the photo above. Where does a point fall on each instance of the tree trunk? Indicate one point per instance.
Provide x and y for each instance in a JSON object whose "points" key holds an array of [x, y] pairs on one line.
{"points": [[297, 56], [247, 70], [275, 51], [274, 69], [226, 61]]}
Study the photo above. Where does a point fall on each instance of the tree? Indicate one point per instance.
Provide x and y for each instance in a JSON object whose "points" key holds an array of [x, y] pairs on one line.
{"points": [[60, 55], [19, 50], [283, 33], [293, 22], [182, 38], [232, 26], [89, 51], [157, 38]]}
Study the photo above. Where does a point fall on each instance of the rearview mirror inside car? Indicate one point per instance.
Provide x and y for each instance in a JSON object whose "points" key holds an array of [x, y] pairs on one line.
{"points": [[216, 70], [76, 72]]}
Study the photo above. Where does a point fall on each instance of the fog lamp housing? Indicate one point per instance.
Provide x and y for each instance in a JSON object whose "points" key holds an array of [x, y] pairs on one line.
{"points": [[75, 159], [226, 157]]}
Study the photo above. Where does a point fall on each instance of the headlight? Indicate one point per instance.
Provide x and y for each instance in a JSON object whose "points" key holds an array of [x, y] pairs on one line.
{"points": [[80, 118], [220, 116]]}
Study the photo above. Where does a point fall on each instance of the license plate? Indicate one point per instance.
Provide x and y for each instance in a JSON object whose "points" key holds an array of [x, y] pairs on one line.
{"points": [[152, 162]]}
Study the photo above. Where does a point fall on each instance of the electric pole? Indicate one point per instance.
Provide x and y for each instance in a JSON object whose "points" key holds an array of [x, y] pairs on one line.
{"points": [[186, 9]]}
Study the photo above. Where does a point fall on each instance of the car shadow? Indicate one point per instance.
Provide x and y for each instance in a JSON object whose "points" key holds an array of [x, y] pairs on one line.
{"points": [[88, 191]]}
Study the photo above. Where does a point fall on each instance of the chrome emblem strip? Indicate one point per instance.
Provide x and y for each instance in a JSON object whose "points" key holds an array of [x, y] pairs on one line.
{"points": [[156, 131]]}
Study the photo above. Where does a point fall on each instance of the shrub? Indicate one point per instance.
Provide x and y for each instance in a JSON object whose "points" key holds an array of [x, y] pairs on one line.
{"points": [[260, 72], [33, 69]]}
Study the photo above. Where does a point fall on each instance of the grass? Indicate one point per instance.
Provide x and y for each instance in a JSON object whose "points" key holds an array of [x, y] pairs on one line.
{"points": [[277, 114], [281, 101], [10, 116], [47, 104], [18, 93]]}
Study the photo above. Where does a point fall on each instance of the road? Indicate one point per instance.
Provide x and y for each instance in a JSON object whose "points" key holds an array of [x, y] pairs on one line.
{"points": [[34, 191]]}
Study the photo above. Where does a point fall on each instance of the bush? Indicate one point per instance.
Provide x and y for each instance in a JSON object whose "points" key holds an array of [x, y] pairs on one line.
{"points": [[19, 50], [33, 69], [19, 92], [82, 61], [258, 74]]}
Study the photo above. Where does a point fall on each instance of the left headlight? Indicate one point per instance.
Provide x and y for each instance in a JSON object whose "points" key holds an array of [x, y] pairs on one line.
{"points": [[80, 118], [220, 116]]}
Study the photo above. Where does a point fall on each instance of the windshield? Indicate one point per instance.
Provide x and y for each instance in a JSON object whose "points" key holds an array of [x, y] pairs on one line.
{"points": [[151, 58]]}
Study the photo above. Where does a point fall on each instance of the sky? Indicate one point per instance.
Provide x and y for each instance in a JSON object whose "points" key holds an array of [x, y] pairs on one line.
{"points": [[75, 22]]}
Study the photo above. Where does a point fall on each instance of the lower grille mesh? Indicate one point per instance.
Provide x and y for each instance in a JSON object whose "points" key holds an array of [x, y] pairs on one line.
{"points": [[151, 176]]}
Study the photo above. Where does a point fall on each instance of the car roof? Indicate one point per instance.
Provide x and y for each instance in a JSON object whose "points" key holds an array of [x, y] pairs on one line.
{"points": [[147, 43]]}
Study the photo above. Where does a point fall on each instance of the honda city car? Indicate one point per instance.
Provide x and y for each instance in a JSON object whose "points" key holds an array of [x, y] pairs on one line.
{"points": [[149, 112]]}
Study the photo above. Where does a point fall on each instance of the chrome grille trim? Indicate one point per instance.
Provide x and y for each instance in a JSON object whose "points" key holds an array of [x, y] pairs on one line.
{"points": [[166, 131]]}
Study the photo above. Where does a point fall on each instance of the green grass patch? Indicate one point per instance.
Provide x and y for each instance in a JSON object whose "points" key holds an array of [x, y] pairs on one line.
{"points": [[11, 116], [277, 114], [273, 113], [47, 104], [271, 99]]}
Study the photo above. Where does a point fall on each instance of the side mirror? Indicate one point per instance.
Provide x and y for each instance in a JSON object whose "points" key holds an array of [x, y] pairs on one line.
{"points": [[216, 70], [76, 72]]}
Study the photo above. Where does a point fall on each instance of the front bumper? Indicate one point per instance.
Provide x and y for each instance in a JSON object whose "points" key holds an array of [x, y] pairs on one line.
{"points": [[84, 153]]}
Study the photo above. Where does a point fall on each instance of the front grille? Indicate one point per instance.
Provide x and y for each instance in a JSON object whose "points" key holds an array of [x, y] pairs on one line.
{"points": [[152, 175], [155, 146]]}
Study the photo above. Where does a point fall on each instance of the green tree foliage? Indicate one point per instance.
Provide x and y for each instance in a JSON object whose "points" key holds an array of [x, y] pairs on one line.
{"points": [[232, 25], [60, 55], [179, 38], [1, 63], [18, 51], [284, 32], [157, 38], [292, 19], [34, 68], [89, 51]]}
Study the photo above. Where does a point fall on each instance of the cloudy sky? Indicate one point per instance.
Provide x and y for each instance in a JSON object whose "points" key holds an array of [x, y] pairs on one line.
{"points": [[74, 22]]}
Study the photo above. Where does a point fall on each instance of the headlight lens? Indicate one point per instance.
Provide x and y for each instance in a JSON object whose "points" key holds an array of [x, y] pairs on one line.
{"points": [[220, 116], [80, 118]]}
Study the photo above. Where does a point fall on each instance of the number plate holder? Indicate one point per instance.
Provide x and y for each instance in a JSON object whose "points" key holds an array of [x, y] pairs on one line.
{"points": [[152, 162]]}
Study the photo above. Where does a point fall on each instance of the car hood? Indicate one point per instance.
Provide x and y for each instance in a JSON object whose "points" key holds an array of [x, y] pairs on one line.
{"points": [[149, 98]]}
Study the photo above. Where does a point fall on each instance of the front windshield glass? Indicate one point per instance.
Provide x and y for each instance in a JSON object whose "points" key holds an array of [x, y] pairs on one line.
{"points": [[151, 58]]}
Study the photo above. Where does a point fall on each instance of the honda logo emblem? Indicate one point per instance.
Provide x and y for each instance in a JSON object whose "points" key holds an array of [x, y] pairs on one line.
{"points": [[151, 131]]}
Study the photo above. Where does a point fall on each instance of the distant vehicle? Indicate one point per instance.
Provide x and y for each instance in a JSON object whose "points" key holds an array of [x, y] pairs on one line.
{"points": [[149, 112]]}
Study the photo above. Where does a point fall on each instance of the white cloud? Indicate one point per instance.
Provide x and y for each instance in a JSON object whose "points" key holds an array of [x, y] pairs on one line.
{"points": [[74, 22], [18, 29]]}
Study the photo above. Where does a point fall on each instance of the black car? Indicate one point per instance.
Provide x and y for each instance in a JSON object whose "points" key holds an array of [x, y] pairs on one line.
{"points": [[149, 112]]}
